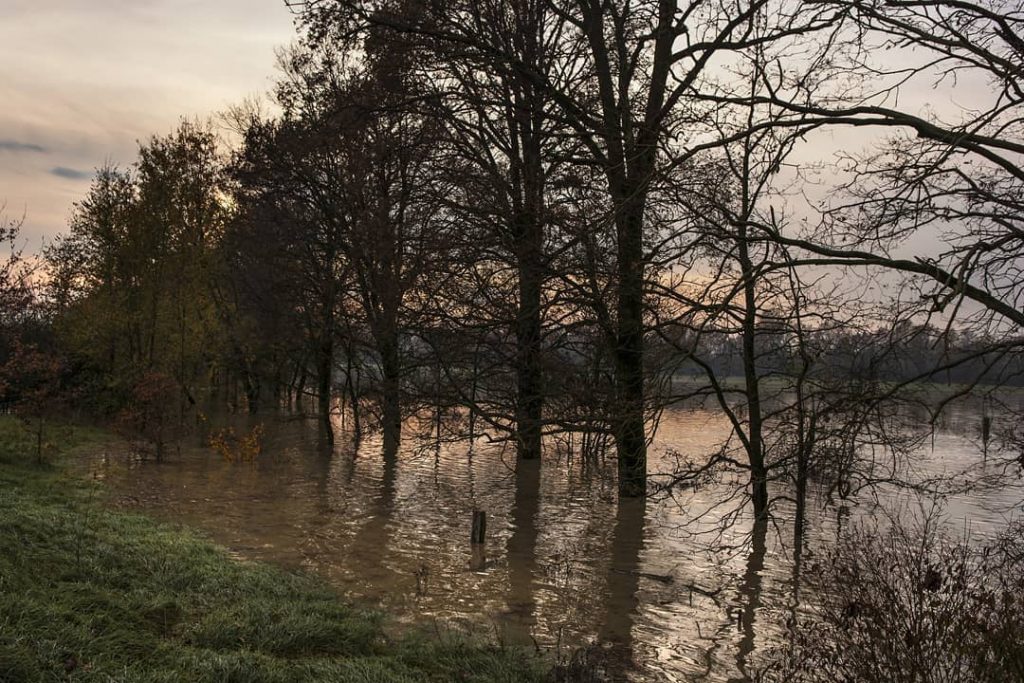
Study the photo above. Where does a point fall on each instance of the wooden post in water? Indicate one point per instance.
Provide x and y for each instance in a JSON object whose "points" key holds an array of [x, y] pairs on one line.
{"points": [[986, 434], [479, 533]]}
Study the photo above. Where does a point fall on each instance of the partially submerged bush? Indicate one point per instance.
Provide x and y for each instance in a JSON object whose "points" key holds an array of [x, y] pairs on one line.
{"points": [[233, 448], [145, 421], [902, 602]]}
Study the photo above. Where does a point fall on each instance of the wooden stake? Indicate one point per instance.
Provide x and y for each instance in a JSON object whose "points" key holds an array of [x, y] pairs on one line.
{"points": [[479, 527]]}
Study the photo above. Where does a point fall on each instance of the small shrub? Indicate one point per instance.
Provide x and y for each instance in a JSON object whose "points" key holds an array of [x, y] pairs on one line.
{"points": [[238, 449]]}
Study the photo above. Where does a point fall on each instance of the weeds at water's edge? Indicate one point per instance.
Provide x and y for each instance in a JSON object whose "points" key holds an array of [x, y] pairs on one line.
{"points": [[92, 594]]}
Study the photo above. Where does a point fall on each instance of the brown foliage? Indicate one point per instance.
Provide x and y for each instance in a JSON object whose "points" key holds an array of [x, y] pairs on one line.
{"points": [[234, 448]]}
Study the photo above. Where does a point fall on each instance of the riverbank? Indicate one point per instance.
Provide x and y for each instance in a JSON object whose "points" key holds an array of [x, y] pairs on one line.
{"points": [[92, 594]]}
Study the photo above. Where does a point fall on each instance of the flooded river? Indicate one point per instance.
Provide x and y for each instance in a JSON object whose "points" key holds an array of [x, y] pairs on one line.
{"points": [[561, 569]]}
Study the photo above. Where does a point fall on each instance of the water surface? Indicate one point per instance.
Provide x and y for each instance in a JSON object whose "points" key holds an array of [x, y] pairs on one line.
{"points": [[562, 569]]}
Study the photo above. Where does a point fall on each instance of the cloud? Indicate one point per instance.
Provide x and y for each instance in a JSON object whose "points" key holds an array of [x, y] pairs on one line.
{"points": [[15, 146], [81, 107], [70, 173]]}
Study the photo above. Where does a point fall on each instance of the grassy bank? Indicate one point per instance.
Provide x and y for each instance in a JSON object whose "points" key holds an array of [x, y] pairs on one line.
{"points": [[92, 594]]}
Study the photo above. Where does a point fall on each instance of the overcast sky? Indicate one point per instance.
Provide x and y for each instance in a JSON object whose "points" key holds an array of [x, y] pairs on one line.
{"points": [[81, 81]]}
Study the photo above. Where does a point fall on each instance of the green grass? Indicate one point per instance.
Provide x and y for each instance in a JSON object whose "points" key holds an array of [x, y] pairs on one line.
{"points": [[92, 594]]}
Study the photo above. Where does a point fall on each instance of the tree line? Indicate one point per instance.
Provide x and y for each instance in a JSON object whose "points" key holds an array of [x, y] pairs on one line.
{"points": [[529, 219]]}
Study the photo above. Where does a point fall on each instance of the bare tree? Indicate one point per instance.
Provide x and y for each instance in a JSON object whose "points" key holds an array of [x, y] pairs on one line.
{"points": [[620, 75]]}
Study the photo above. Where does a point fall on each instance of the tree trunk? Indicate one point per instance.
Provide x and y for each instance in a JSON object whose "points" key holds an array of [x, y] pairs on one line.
{"points": [[324, 366], [527, 121], [300, 387], [252, 392], [351, 385], [474, 382], [529, 399], [438, 412], [755, 445], [391, 408], [630, 432]]}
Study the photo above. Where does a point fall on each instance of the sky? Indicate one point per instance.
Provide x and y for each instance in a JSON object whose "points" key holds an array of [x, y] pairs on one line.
{"points": [[83, 81]]}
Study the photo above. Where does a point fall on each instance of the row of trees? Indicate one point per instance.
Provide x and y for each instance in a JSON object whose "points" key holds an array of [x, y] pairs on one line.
{"points": [[647, 159], [532, 215]]}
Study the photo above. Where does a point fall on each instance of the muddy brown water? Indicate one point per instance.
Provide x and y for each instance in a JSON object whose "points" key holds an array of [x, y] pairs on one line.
{"points": [[662, 582]]}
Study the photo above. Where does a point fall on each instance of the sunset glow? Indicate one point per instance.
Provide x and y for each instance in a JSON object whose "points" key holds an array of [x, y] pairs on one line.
{"points": [[82, 82]]}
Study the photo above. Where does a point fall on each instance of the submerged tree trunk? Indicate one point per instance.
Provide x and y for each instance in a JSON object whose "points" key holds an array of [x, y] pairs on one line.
{"points": [[438, 411], [528, 180], [324, 366], [473, 388], [391, 408], [755, 445], [630, 432], [300, 386], [352, 386], [529, 399], [252, 391], [804, 443]]}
